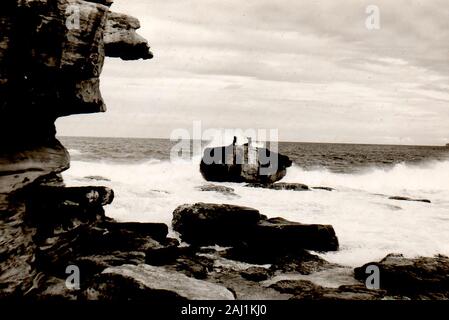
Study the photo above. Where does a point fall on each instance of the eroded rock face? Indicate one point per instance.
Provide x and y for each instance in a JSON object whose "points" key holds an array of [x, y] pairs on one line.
{"points": [[280, 186], [122, 41], [51, 57]]}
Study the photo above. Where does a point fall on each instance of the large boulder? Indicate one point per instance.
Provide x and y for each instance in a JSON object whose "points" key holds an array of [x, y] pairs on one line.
{"points": [[247, 230], [243, 164], [143, 282], [413, 277], [209, 224]]}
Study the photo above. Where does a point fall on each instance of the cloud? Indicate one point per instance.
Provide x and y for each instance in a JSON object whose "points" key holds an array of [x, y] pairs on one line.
{"points": [[310, 68]]}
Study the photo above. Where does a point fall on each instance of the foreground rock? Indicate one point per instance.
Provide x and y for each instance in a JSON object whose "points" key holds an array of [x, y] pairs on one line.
{"points": [[248, 231], [417, 278], [209, 224], [243, 164], [306, 290], [409, 199], [143, 282]]}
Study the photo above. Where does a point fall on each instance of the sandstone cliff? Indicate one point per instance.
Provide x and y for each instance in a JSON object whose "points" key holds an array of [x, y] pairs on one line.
{"points": [[51, 57]]}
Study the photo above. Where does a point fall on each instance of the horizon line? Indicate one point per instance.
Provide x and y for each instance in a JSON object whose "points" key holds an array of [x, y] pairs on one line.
{"points": [[286, 141]]}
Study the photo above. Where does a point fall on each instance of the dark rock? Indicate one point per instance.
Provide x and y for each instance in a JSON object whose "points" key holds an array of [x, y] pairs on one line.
{"points": [[301, 289], [323, 188], [280, 186], [54, 290], [256, 274], [97, 178], [157, 231], [281, 233], [415, 277], [302, 262], [144, 282], [91, 265], [20, 167], [307, 290], [410, 199], [236, 164], [209, 224], [79, 196], [220, 189], [194, 266], [253, 239], [121, 39], [166, 254]]}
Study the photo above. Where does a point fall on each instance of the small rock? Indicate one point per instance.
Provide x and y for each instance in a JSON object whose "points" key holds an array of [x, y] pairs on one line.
{"points": [[220, 189], [97, 178], [280, 186], [323, 188], [409, 199], [256, 274]]}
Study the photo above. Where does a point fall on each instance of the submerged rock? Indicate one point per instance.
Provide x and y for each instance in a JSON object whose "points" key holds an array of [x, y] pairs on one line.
{"points": [[414, 277], [243, 164], [216, 188], [323, 188], [143, 282], [280, 186], [97, 178], [409, 199]]}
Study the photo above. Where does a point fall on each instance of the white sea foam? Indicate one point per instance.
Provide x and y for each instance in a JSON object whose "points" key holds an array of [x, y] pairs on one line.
{"points": [[367, 223]]}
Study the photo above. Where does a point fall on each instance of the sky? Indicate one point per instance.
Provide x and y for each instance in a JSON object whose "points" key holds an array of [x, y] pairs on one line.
{"points": [[311, 69]]}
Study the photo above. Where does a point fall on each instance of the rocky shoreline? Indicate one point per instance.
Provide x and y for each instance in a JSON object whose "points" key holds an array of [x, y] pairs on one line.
{"points": [[49, 230]]}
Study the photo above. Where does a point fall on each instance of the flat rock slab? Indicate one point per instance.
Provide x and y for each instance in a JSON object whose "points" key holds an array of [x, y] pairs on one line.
{"points": [[409, 199], [280, 186], [143, 281]]}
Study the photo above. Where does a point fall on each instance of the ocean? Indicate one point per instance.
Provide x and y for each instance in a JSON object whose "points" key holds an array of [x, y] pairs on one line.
{"points": [[148, 187]]}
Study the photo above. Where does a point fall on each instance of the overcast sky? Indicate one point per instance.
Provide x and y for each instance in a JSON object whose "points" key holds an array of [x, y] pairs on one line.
{"points": [[308, 68]]}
